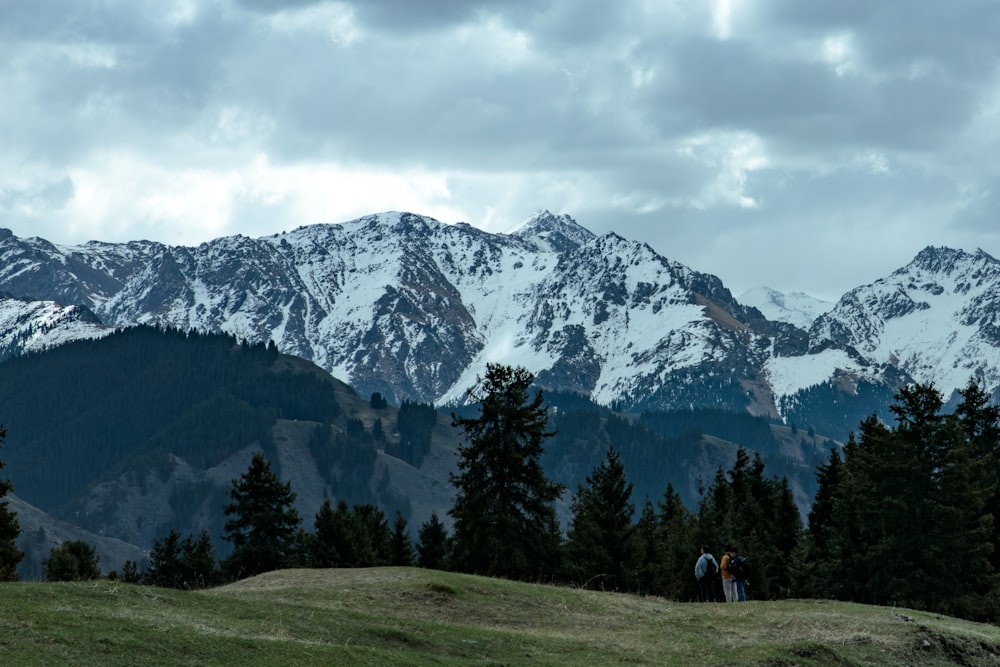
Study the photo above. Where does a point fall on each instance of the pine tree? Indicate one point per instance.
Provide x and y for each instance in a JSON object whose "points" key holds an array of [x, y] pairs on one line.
{"points": [[817, 566], [263, 524], [130, 573], [505, 521], [373, 544], [599, 538], [330, 539], [784, 535], [979, 423], [402, 545], [966, 500], [646, 551], [73, 560], [10, 529], [679, 547], [432, 547], [198, 561], [165, 569]]}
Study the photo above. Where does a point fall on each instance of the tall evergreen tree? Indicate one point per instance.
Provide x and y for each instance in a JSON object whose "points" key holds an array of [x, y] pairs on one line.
{"points": [[817, 566], [680, 546], [198, 561], [966, 498], [432, 545], [402, 545], [373, 544], [647, 552], [979, 423], [329, 546], [600, 534], [10, 529], [165, 569], [505, 521], [263, 524]]}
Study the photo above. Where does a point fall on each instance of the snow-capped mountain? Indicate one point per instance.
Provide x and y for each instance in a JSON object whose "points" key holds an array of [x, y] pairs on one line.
{"points": [[937, 317], [796, 308], [30, 326], [414, 308]]}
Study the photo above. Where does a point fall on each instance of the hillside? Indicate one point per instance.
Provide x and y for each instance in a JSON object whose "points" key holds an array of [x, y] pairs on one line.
{"points": [[396, 616], [144, 430]]}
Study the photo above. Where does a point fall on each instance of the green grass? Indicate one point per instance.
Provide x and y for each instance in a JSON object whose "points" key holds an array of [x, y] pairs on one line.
{"points": [[403, 616]]}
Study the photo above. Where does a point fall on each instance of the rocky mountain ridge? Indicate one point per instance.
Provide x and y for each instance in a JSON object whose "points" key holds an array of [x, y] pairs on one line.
{"points": [[413, 308]]}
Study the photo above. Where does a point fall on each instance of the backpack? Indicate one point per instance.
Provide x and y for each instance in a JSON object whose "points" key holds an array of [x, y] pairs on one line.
{"points": [[710, 567], [739, 567]]}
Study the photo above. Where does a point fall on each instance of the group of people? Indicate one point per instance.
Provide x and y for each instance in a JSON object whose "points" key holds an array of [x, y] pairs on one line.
{"points": [[734, 571]]}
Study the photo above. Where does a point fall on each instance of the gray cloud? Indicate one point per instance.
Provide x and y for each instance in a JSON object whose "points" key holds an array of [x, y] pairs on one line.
{"points": [[718, 140]]}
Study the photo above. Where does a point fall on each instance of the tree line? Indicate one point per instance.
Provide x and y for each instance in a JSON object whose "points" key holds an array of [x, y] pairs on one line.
{"points": [[903, 515]]}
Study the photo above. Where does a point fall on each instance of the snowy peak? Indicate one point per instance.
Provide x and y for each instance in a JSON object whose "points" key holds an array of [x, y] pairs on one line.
{"points": [[937, 319], [797, 308], [560, 233], [947, 261], [30, 326]]}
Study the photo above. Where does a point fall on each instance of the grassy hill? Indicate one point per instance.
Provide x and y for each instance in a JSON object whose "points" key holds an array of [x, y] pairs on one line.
{"points": [[405, 616]]}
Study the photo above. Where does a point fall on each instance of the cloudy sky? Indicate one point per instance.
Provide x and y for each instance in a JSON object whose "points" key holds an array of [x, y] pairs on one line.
{"points": [[808, 145]]}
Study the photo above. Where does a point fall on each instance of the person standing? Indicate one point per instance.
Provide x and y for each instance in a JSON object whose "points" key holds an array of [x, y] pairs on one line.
{"points": [[739, 566], [705, 569], [728, 581]]}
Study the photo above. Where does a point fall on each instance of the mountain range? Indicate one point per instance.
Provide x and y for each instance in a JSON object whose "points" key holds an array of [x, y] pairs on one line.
{"points": [[413, 308]]}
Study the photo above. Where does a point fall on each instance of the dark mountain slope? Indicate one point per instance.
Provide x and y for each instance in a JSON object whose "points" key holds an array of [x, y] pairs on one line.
{"points": [[75, 412]]}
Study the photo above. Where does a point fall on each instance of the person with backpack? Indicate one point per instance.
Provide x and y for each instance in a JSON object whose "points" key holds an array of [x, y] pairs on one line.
{"points": [[705, 570], [728, 582], [739, 567]]}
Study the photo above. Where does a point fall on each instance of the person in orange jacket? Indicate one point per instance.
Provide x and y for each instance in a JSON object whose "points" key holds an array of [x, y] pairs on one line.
{"points": [[728, 582]]}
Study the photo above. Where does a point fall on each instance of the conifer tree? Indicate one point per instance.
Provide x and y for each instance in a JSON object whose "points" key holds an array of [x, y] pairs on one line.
{"points": [[73, 560], [817, 564], [979, 424], [263, 524], [10, 529], [647, 552], [505, 521], [165, 568], [965, 499], [432, 545], [783, 533], [198, 561], [373, 537], [329, 545], [402, 545], [680, 546], [599, 538]]}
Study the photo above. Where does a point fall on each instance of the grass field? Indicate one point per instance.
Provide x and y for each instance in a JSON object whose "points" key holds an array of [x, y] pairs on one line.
{"points": [[404, 616]]}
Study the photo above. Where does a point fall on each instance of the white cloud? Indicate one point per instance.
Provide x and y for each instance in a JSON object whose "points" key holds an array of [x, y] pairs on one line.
{"points": [[732, 157]]}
